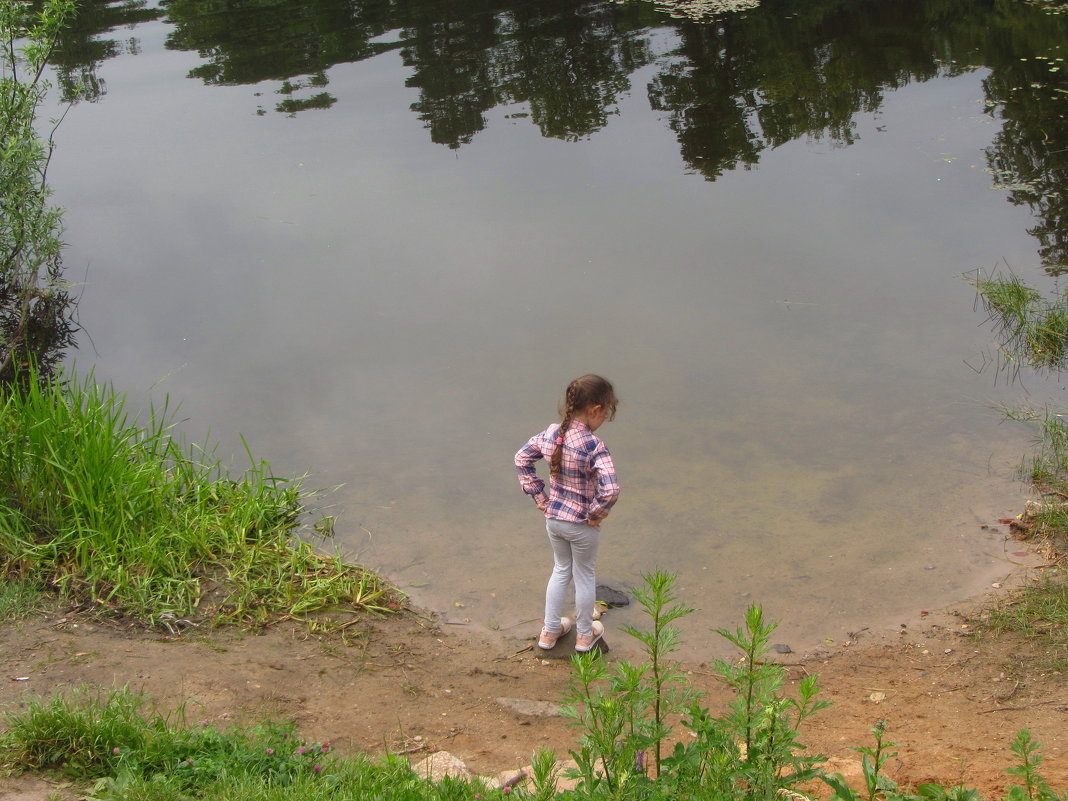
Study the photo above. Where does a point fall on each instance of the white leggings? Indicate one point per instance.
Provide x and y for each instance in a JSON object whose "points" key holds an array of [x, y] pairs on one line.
{"points": [[574, 555]]}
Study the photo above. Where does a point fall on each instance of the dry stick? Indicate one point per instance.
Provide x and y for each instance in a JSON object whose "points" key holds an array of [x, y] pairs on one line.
{"points": [[520, 623], [1019, 708]]}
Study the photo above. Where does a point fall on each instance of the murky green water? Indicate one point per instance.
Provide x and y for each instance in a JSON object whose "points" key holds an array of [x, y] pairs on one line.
{"points": [[377, 240]]}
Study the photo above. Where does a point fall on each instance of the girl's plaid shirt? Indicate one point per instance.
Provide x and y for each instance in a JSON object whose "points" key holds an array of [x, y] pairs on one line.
{"points": [[586, 487]]}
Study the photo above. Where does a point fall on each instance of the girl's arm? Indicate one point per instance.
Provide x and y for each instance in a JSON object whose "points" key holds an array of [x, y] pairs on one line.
{"points": [[604, 471], [525, 461]]}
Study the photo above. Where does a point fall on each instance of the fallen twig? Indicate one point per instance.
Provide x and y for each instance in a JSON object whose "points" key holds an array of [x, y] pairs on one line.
{"points": [[1018, 708]]}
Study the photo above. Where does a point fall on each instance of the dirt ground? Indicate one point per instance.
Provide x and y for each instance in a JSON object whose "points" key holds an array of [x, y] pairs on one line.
{"points": [[412, 685]]}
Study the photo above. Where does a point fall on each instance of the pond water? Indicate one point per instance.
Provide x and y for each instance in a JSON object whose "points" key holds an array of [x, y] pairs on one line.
{"points": [[377, 242]]}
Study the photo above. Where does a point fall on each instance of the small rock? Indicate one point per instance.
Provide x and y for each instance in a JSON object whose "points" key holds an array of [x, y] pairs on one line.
{"points": [[441, 764], [877, 697], [781, 648], [523, 706], [510, 778]]}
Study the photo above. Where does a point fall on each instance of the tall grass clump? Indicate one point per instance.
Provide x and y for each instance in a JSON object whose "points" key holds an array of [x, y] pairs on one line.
{"points": [[123, 516]]}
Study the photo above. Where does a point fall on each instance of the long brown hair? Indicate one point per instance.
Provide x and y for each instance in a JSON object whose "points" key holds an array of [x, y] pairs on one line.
{"points": [[582, 393]]}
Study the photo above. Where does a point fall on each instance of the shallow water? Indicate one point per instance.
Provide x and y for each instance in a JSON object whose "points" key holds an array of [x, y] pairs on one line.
{"points": [[804, 424]]}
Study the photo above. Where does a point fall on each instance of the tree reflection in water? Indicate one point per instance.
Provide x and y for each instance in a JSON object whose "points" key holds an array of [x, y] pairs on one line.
{"points": [[730, 78]]}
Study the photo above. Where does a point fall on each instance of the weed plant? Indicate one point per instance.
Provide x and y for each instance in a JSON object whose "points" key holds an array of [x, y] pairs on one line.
{"points": [[750, 752], [125, 517]]}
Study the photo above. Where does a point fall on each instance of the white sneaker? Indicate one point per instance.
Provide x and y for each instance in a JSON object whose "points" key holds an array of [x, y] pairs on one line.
{"points": [[584, 642], [547, 640]]}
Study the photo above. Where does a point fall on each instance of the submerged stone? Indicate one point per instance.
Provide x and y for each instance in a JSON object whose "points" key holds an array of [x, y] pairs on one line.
{"points": [[611, 596]]}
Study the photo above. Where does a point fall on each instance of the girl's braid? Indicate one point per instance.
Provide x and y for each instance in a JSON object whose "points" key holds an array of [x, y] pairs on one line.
{"points": [[558, 451]]}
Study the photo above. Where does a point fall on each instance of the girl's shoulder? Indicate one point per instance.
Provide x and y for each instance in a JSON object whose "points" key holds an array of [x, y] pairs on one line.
{"points": [[549, 434]]}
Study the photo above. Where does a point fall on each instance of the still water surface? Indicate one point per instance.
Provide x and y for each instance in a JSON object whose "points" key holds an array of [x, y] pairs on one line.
{"points": [[377, 243]]}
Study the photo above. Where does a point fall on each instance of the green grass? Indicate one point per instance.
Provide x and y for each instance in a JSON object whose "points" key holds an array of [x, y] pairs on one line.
{"points": [[1039, 613], [127, 750], [122, 516], [18, 599]]}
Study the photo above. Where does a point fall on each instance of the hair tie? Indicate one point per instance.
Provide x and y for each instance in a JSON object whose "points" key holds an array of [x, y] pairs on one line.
{"points": [[559, 440]]}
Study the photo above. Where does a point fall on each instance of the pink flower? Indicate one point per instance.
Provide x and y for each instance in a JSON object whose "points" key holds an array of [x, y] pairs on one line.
{"points": [[115, 750], [301, 750], [318, 768], [506, 790], [325, 748], [270, 752]]}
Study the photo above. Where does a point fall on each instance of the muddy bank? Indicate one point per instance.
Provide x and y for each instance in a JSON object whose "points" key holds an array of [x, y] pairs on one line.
{"points": [[408, 684]]}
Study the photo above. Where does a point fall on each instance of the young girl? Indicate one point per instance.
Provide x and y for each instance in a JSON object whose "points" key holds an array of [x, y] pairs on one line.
{"points": [[582, 490]]}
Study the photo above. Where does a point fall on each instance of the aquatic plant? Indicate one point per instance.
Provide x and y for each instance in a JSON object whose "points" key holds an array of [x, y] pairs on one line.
{"points": [[1031, 329]]}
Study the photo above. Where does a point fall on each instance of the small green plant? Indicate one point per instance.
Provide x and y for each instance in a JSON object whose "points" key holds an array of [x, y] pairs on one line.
{"points": [[1034, 787], [876, 784], [752, 751], [544, 770], [879, 787]]}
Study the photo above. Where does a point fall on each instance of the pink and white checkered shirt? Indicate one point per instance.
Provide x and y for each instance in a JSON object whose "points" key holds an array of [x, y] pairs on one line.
{"points": [[586, 488]]}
